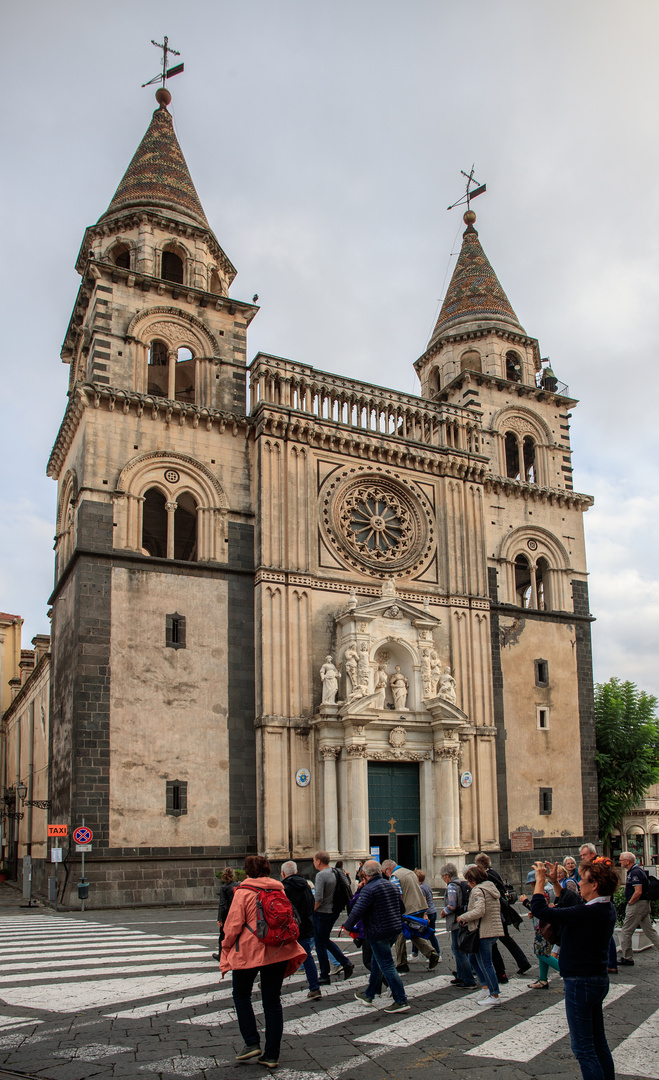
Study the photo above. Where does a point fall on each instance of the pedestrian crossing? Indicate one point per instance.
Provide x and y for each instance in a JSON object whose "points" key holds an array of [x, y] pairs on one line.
{"points": [[60, 965]]}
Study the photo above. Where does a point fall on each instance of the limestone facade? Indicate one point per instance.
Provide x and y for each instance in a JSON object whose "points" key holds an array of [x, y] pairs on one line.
{"points": [[213, 554]]}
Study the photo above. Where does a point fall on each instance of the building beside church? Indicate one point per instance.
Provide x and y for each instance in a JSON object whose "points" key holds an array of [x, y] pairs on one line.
{"points": [[293, 609]]}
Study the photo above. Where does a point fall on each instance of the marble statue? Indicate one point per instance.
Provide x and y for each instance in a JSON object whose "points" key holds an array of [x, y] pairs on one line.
{"points": [[351, 663], [435, 672], [399, 687], [380, 687], [364, 669], [330, 680], [389, 587], [447, 688]]}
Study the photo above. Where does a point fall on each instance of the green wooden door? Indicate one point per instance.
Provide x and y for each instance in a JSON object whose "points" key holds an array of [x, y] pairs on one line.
{"points": [[394, 810]]}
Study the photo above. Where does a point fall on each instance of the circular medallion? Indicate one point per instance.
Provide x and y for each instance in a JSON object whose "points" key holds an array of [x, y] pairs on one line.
{"points": [[303, 778], [466, 779], [171, 476], [374, 520], [532, 545]]}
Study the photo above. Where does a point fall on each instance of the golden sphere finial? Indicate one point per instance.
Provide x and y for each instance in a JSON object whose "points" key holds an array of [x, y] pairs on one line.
{"points": [[163, 97], [469, 217]]}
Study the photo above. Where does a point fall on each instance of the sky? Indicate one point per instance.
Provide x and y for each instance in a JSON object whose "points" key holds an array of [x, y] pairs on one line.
{"points": [[325, 142]]}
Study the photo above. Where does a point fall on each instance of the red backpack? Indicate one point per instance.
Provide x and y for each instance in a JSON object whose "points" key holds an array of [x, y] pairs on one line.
{"points": [[276, 922]]}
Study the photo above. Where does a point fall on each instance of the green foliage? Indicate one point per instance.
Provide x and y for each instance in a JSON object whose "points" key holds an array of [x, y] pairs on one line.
{"points": [[620, 904], [627, 754]]}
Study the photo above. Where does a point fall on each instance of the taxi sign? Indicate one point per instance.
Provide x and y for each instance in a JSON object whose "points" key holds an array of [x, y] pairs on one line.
{"points": [[58, 830], [83, 835]]}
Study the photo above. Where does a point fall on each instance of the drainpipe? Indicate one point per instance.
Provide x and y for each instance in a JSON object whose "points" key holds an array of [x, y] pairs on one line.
{"points": [[30, 778]]}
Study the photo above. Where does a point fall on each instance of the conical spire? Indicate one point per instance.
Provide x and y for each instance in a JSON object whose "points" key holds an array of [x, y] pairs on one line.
{"points": [[158, 175], [474, 298]]}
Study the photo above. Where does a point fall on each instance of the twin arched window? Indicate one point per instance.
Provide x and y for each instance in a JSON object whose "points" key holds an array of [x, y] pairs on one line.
{"points": [[169, 529], [520, 457], [171, 374], [532, 583], [513, 367]]}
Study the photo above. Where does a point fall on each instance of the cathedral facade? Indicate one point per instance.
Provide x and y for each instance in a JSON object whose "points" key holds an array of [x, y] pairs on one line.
{"points": [[294, 610]]}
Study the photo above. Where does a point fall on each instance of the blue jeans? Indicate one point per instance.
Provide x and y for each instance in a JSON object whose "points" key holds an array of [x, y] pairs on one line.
{"points": [[584, 995], [482, 965], [382, 963], [310, 964], [323, 921], [462, 965], [272, 976]]}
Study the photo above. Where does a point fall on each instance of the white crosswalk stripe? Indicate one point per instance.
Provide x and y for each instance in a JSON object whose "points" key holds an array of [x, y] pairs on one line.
{"points": [[530, 1038], [638, 1054]]}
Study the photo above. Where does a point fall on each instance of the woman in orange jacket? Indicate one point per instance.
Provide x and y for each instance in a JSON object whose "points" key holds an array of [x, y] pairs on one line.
{"points": [[246, 956]]}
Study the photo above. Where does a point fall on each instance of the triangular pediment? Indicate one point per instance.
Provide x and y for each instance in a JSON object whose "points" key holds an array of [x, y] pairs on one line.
{"points": [[391, 607]]}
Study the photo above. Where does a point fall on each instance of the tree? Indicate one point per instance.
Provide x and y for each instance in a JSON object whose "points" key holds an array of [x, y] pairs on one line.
{"points": [[627, 753]]}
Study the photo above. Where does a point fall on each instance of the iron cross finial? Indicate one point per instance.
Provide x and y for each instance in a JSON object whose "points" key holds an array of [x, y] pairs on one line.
{"points": [[469, 193], [166, 72]]}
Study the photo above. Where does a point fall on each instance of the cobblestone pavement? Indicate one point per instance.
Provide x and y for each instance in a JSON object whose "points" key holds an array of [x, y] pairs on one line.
{"points": [[135, 994]]}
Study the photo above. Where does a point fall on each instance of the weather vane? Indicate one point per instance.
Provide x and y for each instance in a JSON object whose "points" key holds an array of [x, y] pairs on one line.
{"points": [[469, 194], [166, 73]]}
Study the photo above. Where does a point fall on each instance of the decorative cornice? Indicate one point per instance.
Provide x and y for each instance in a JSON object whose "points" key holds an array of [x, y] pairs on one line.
{"points": [[310, 581], [86, 395], [518, 489], [474, 335]]}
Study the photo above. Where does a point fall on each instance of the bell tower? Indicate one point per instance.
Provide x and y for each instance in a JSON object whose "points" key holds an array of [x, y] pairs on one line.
{"points": [[481, 357], [152, 608]]}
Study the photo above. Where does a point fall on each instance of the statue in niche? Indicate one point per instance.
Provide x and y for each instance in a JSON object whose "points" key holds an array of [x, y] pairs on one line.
{"points": [[380, 687], [435, 672], [329, 676], [351, 662], [426, 673], [399, 687], [364, 669], [447, 687]]}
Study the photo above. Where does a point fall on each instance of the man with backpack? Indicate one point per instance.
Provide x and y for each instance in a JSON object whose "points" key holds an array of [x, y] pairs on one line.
{"points": [[455, 902], [332, 894], [298, 891], [637, 912]]}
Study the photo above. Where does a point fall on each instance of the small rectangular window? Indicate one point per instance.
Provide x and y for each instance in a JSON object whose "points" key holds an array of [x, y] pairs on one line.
{"points": [[546, 800], [175, 631], [176, 797], [542, 714], [541, 673]]}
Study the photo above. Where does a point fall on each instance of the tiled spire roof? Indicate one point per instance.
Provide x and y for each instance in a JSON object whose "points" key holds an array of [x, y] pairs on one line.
{"points": [[474, 295], [158, 176]]}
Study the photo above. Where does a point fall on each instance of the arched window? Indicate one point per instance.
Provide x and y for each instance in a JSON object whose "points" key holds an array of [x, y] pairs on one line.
{"points": [[154, 524], [185, 528], [513, 367], [216, 283], [529, 460], [542, 585], [157, 380], [512, 456], [635, 838], [121, 256], [184, 387], [471, 361], [434, 381], [172, 267], [523, 589]]}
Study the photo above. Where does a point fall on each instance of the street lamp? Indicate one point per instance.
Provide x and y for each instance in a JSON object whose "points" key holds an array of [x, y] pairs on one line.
{"points": [[21, 791]]}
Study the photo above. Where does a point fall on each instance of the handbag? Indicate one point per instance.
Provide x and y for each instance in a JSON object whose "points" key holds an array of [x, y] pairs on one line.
{"points": [[468, 941]]}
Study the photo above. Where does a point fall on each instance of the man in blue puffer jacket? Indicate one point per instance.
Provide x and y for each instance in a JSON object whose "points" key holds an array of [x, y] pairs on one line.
{"points": [[380, 908]]}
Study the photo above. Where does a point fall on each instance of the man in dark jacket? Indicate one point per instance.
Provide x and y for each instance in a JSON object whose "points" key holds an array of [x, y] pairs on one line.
{"points": [[299, 893], [380, 908]]}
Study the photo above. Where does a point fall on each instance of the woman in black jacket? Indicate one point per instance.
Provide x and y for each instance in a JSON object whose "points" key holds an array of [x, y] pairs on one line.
{"points": [[586, 931], [229, 883]]}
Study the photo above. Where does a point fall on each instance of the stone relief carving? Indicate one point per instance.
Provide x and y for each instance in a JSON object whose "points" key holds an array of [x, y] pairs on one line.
{"points": [[357, 750], [426, 673], [392, 612], [447, 688], [330, 752], [451, 753], [389, 587], [399, 688], [397, 737], [399, 755], [329, 676]]}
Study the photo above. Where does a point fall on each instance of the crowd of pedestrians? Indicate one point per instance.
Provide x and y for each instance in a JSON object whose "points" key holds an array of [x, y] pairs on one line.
{"points": [[270, 929]]}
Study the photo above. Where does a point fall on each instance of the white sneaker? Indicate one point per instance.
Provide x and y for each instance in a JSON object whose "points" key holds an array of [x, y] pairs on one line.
{"points": [[489, 1000], [483, 996]]}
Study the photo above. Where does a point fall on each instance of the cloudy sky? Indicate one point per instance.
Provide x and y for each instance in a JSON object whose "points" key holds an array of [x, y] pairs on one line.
{"points": [[326, 141]]}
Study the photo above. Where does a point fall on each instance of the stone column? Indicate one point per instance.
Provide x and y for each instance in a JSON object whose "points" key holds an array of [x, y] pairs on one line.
{"points": [[447, 795], [170, 507], [329, 754], [356, 810]]}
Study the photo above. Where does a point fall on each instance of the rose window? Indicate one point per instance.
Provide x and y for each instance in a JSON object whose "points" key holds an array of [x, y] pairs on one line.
{"points": [[376, 522]]}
